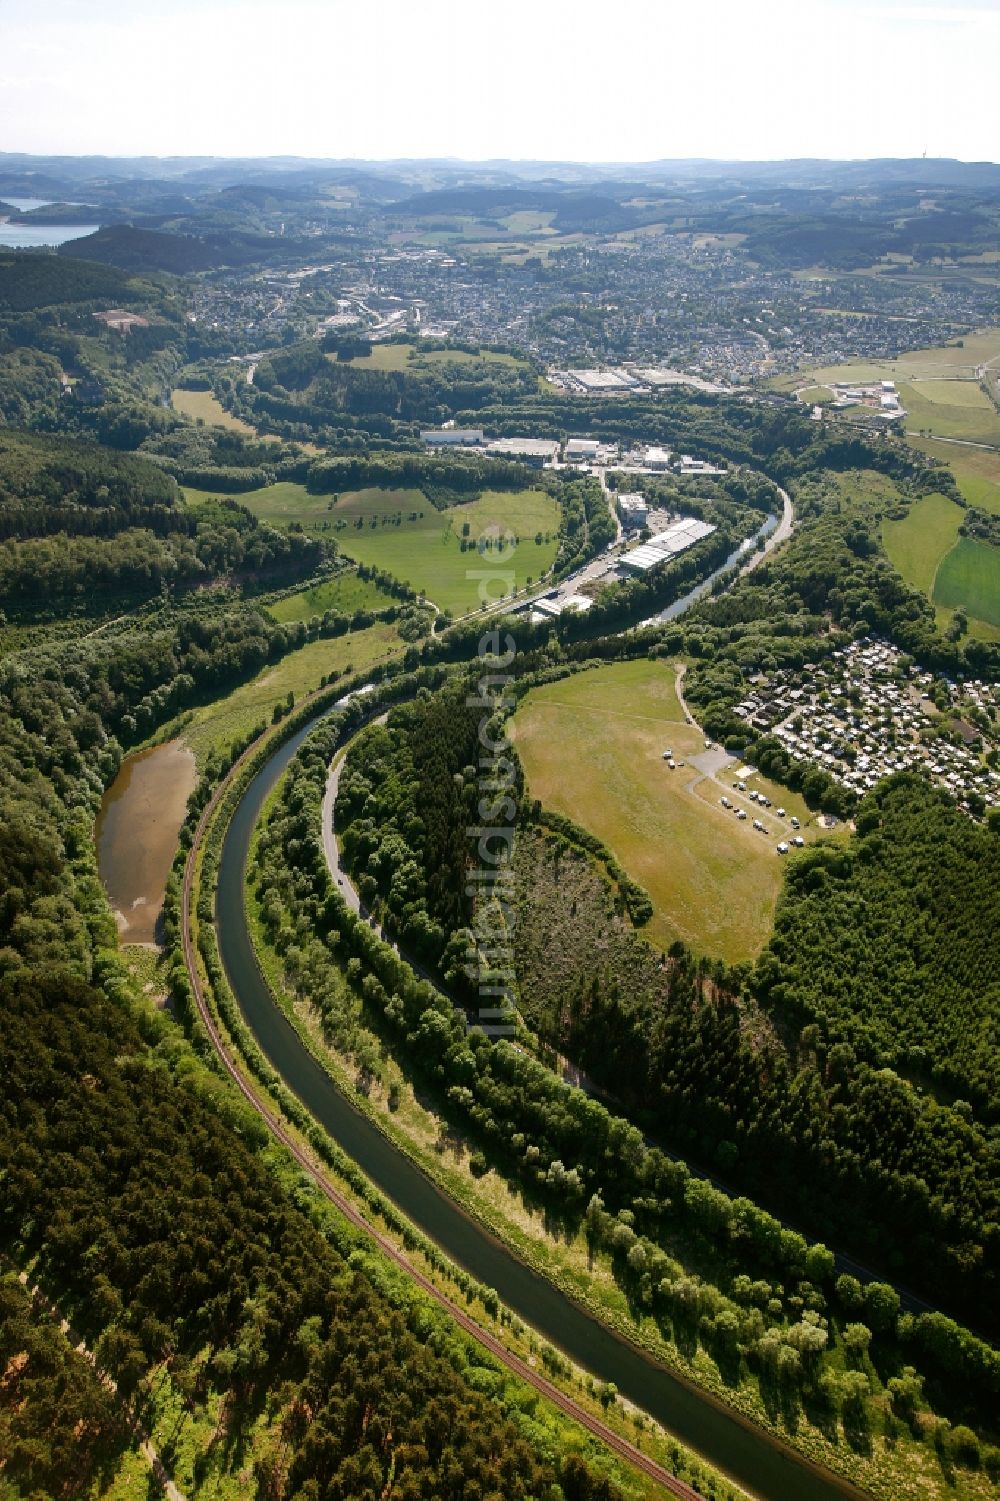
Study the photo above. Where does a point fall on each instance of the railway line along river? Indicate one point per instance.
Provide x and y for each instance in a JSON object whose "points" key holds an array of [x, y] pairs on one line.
{"points": [[750, 1455]]}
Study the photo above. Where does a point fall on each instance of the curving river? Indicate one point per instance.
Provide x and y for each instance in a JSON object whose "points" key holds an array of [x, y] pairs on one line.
{"points": [[746, 1453]]}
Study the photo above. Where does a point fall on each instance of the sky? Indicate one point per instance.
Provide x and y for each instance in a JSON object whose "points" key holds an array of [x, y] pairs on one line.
{"points": [[571, 80]]}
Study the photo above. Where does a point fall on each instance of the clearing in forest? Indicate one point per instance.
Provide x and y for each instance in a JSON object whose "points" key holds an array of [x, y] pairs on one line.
{"points": [[592, 747]]}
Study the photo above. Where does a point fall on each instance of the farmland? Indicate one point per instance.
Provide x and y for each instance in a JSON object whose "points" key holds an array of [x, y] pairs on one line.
{"points": [[917, 544], [969, 579], [955, 573], [713, 881], [400, 531]]}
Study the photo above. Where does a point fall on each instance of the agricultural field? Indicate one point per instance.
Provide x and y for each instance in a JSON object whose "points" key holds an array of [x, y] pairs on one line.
{"points": [[950, 408], [204, 406], [713, 881], [217, 725], [976, 471], [916, 545], [345, 593], [400, 531], [953, 572], [969, 579]]}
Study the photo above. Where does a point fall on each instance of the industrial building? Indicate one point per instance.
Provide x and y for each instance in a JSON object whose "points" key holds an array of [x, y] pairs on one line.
{"points": [[657, 458], [455, 437], [632, 511], [551, 609], [692, 466], [677, 538], [534, 451], [581, 450]]}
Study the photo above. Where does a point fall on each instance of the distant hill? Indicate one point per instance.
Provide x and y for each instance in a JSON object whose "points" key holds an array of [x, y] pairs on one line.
{"points": [[133, 249], [29, 281]]}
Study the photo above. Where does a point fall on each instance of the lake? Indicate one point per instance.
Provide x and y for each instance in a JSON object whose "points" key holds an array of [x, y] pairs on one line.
{"points": [[137, 827], [36, 236]]}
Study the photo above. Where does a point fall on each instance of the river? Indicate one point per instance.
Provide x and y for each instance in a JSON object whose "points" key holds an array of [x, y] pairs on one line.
{"points": [[746, 1453], [137, 827]]}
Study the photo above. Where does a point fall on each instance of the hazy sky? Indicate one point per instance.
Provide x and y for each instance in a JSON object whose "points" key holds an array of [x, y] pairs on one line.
{"points": [[627, 80]]}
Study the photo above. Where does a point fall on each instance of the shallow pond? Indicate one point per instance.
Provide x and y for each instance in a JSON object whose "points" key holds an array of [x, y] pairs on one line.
{"points": [[137, 827]]}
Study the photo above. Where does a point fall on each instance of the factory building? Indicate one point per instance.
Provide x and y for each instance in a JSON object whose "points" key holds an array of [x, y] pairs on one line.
{"points": [[657, 458], [534, 451], [632, 511], [677, 538], [581, 450], [455, 437]]}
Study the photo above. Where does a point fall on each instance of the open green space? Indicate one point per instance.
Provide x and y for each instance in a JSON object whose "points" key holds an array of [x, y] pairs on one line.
{"points": [[976, 470], [219, 724], [399, 356], [955, 573], [345, 592], [400, 531], [967, 414], [916, 545], [956, 361], [713, 881], [204, 406], [969, 579]]}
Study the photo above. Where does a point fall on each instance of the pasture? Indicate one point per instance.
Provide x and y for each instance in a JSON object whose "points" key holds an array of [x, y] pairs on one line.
{"points": [[400, 531], [204, 406], [953, 572], [950, 408], [976, 471], [916, 545], [345, 593], [401, 356], [969, 579], [592, 748]]}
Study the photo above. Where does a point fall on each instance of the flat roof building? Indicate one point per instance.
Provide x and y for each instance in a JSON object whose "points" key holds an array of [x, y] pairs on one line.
{"points": [[456, 436], [632, 510], [657, 458], [581, 450], [534, 451]]}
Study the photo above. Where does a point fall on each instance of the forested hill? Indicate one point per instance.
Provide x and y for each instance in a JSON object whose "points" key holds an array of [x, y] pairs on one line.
{"points": [[136, 1186]]}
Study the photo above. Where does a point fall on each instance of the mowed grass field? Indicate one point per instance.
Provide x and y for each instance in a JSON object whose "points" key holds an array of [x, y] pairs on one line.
{"points": [[976, 471], [346, 592], [217, 725], [402, 532], [953, 572], [592, 748]]}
